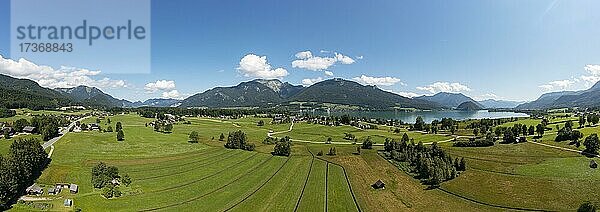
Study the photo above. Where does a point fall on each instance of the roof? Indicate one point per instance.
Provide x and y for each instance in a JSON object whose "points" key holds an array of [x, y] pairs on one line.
{"points": [[68, 202], [28, 128], [73, 187], [379, 184]]}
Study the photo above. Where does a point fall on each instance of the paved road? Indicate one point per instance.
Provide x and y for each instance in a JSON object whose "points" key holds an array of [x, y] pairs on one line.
{"points": [[270, 134], [61, 134]]}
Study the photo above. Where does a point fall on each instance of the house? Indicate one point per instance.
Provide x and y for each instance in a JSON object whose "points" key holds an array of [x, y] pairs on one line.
{"points": [[73, 188], [28, 129], [52, 191], [94, 126], [115, 182], [34, 190], [68, 202], [378, 185], [593, 164]]}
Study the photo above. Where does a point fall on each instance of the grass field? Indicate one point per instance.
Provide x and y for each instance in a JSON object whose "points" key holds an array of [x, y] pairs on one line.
{"points": [[171, 174]]}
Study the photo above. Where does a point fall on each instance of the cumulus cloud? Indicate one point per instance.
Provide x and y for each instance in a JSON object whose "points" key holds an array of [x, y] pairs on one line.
{"points": [[445, 87], [381, 81], [307, 82], [557, 85], [329, 73], [306, 60], [63, 77], [253, 65], [594, 74], [160, 85], [359, 57], [408, 94], [304, 55], [174, 94]]}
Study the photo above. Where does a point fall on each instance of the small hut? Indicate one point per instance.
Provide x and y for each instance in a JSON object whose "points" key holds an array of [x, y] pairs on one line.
{"points": [[68, 202], [593, 164], [73, 188], [378, 185]]}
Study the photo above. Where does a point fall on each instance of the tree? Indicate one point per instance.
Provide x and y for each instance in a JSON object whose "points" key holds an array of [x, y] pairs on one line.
{"points": [[587, 207], [328, 140], [582, 121], [156, 126], [194, 137], [332, 151], [260, 123], [405, 138], [120, 135], [509, 137], [283, 147], [97, 120], [367, 143], [591, 144], [475, 131], [108, 120], [109, 129], [119, 126], [20, 124], [452, 130], [238, 140], [419, 124], [531, 130], [6, 134], [221, 137], [168, 127], [540, 130], [358, 150], [462, 166]]}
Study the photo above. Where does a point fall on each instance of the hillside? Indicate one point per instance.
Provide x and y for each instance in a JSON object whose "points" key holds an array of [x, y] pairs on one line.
{"points": [[469, 106], [340, 91], [583, 98], [90, 96], [449, 100], [157, 103], [246, 94], [24, 93]]}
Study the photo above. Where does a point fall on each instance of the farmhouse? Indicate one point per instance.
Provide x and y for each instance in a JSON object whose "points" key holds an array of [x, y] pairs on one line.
{"points": [[28, 129], [34, 190], [378, 185], [593, 164], [73, 188]]}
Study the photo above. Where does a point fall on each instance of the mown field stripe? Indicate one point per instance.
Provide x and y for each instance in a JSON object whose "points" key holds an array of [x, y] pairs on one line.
{"points": [[256, 190], [196, 160], [186, 170], [213, 191], [305, 181], [489, 204], [206, 177]]}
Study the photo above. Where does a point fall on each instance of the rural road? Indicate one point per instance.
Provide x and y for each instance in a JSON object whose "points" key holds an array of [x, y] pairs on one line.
{"points": [[270, 134], [562, 148], [61, 134]]}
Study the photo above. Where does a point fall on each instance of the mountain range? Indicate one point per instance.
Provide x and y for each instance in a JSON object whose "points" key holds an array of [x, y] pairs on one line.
{"points": [[17, 93], [584, 98]]}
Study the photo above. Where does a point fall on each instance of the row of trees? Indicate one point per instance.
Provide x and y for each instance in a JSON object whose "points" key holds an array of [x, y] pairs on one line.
{"points": [[23, 164], [283, 147], [47, 125]]}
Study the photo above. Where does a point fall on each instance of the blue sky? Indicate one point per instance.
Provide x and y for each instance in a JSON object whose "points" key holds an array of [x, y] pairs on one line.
{"points": [[512, 50]]}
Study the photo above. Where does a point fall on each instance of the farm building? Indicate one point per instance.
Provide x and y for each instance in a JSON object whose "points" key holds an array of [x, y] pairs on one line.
{"points": [[28, 129], [34, 190], [593, 164], [73, 188], [68, 202], [378, 185]]}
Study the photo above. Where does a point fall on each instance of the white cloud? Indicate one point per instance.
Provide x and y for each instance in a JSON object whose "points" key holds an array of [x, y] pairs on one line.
{"points": [[445, 87], [174, 94], [160, 85], [408, 94], [64, 77], [253, 65], [359, 57], [343, 59], [304, 55], [307, 82], [329, 73], [306, 60], [594, 71], [557, 85], [385, 81]]}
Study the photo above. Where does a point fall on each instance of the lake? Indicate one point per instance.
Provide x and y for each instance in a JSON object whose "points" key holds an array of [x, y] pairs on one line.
{"points": [[428, 116]]}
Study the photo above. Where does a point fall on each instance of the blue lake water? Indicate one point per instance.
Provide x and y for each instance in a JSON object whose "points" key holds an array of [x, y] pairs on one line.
{"points": [[428, 116]]}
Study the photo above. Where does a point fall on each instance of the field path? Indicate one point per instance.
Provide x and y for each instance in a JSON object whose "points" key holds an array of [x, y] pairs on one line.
{"points": [[565, 149]]}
